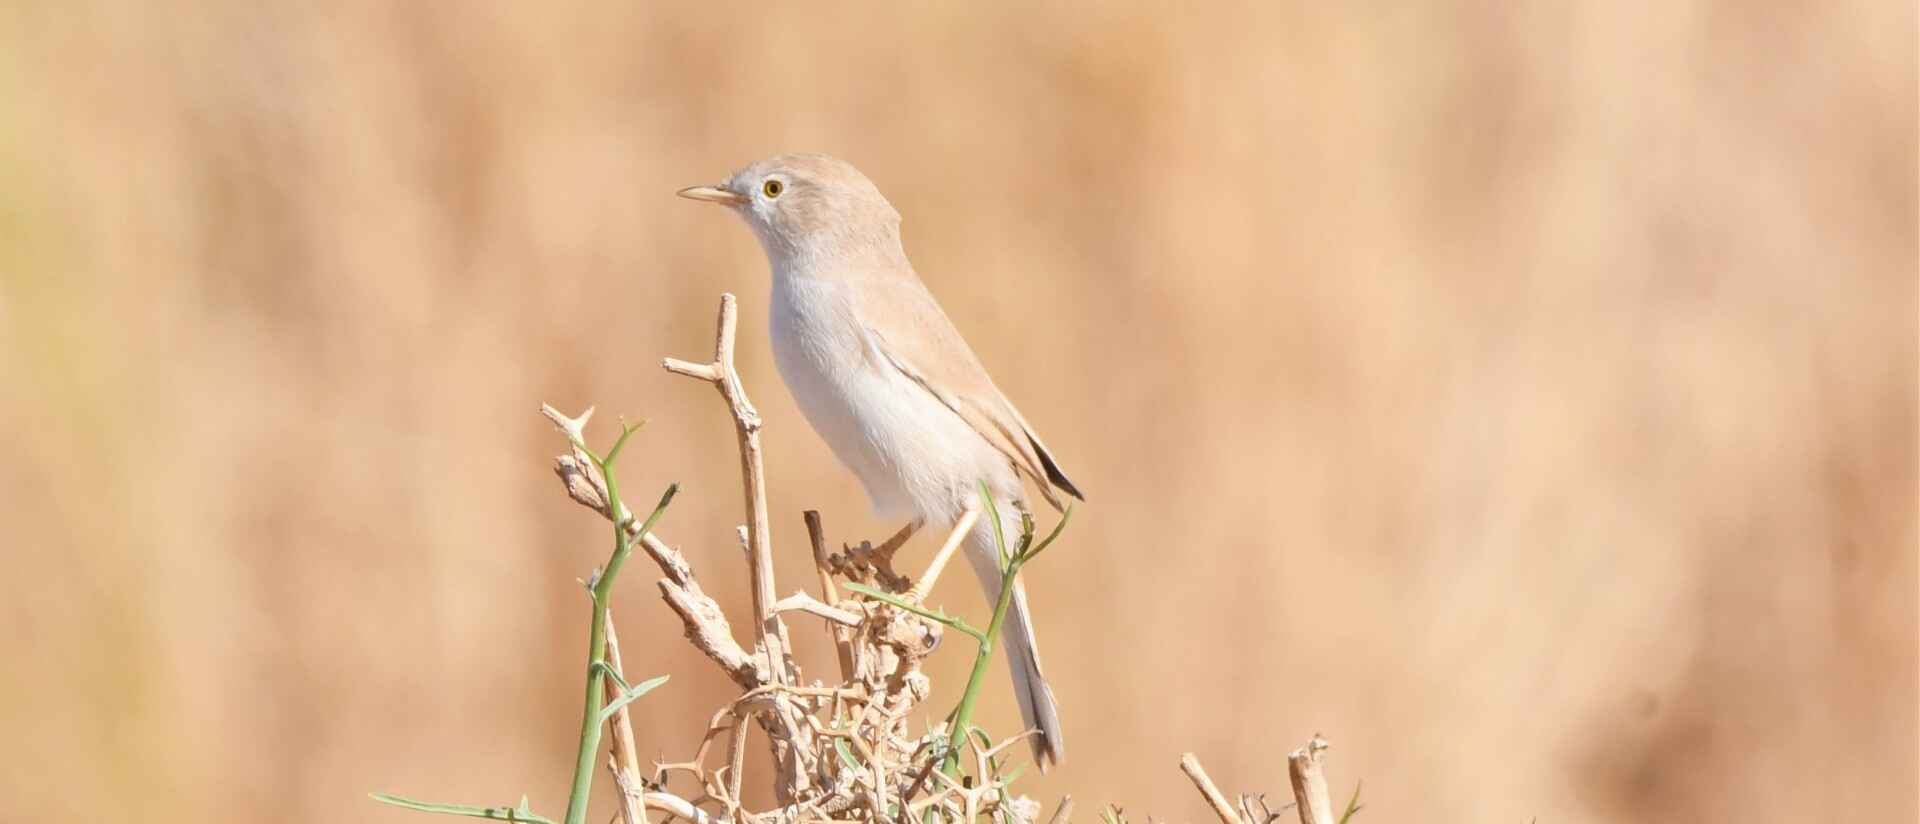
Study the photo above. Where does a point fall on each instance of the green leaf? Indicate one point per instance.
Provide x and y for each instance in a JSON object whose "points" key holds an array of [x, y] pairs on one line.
{"points": [[1353, 804], [846, 755], [660, 508], [604, 668], [999, 535], [520, 813], [1065, 516], [984, 742], [1011, 777], [980, 736], [627, 697]]}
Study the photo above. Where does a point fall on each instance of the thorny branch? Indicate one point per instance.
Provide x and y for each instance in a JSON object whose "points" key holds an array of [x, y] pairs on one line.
{"points": [[769, 631]]}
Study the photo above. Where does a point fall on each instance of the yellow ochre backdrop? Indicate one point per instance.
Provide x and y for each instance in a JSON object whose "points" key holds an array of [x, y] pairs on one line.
{"points": [[1520, 396]]}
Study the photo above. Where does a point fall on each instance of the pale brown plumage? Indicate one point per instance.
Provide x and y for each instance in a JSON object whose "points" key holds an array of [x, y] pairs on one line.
{"points": [[887, 381]]}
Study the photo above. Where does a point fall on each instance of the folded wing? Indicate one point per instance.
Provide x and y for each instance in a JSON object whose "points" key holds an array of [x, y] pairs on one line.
{"points": [[937, 359]]}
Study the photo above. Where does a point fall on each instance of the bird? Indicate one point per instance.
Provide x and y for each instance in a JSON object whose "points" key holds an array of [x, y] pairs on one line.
{"points": [[882, 375]]}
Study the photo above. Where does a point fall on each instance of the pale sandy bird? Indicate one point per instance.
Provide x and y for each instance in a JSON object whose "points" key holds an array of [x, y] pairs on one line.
{"points": [[883, 376]]}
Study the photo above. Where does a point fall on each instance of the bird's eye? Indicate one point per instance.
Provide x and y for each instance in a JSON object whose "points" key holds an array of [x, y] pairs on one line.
{"points": [[773, 188]]}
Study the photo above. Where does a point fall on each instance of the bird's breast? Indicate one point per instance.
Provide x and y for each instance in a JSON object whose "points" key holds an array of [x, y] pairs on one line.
{"points": [[817, 345], [914, 455]]}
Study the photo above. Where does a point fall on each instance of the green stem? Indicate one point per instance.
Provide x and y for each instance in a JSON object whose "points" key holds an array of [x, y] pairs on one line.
{"points": [[602, 591], [963, 715]]}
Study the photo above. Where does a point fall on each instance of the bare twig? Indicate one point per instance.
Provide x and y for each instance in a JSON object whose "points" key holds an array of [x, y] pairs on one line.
{"points": [[702, 619], [625, 765], [1309, 784], [1190, 765], [1264, 815], [802, 602], [681, 808], [768, 630], [1063, 813], [842, 638], [899, 539]]}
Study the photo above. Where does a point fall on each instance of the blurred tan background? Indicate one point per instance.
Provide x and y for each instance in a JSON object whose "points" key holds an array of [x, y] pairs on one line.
{"points": [[1524, 398]]}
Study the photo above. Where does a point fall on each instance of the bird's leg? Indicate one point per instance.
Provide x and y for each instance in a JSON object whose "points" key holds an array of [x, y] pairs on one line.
{"points": [[959, 533]]}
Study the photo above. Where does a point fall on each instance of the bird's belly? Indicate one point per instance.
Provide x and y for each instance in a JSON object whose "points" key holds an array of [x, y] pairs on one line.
{"points": [[915, 457]]}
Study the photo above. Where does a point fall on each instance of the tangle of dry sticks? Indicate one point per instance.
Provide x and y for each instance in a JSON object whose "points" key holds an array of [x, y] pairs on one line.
{"points": [[845, 752]]}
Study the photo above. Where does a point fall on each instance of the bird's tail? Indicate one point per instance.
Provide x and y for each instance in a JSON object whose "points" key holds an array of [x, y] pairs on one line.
{"points": [[1037, 708]]}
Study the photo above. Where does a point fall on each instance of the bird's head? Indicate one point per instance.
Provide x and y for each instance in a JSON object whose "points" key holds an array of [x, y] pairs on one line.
{"points": [[808, 206]]}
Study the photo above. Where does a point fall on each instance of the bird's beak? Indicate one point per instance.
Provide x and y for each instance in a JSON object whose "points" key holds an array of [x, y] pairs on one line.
{"points": [[712, 194]]}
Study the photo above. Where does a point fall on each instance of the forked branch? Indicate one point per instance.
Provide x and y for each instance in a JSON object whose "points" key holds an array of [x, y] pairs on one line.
{"points": [[768, 629]]}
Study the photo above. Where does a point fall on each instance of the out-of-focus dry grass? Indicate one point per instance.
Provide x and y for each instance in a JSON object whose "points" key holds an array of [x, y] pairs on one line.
{"points": [[1523, 397]]}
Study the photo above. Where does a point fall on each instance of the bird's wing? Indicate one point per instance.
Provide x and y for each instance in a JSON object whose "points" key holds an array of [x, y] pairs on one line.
{"points": [[915, 337]]}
